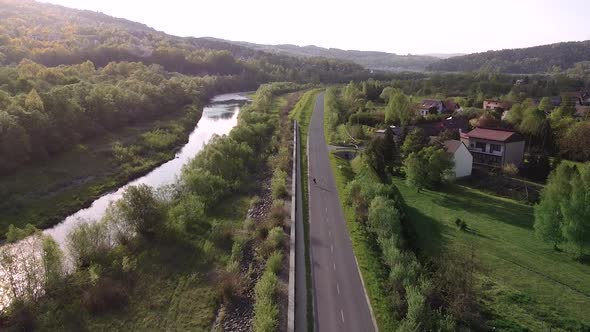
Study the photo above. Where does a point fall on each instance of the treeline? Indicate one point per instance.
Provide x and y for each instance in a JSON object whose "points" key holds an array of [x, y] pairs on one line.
{"points": [[54, 35], [538, 59], [155, 226], [44, 111]]}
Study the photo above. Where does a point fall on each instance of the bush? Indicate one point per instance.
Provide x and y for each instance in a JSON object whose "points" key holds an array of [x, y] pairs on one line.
{"points": [[89, 243], [274, 240], [462, 225], [230, 283], [276, 237], [106, 294], [274, 262], [266, 311], [279, 184], [277, 214], [237, 249], [281, 160]]}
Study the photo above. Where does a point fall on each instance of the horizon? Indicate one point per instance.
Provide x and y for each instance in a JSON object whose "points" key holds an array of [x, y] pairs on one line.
{"points": [[249, 23]]}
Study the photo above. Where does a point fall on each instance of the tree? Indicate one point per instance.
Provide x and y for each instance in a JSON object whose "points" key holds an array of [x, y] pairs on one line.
{"points": [[545, 104], [33, 102], [384, 218], [575, 144], [141, 210], [414, 142], [189, 215], [399, 108], [548, 213], [52, 257], [427, 167], [382, 154], [576, 211]]}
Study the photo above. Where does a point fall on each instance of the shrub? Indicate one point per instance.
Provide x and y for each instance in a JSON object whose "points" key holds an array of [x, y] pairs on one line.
{"points": [[282, 159], [237, 249], [462, 225], [274, 262], [89, 243], [266, 311], [141, 210], [276, 237], [277, 214], [274, 241], [279, 184], [106, 294], [230, 283]]}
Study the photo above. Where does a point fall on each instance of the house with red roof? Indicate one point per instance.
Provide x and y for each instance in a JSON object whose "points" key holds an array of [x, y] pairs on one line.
{"points": [[494, 147]]}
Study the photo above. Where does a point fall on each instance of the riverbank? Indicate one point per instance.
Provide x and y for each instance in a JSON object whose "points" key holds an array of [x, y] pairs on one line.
{"points": [[43, 195]]}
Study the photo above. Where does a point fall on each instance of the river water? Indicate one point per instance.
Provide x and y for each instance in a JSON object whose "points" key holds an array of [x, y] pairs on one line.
{"points": [[218, 118]]}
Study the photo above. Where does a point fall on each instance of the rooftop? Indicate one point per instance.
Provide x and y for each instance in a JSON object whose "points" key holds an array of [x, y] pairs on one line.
{"points": [[452, 145], [498, 135]]}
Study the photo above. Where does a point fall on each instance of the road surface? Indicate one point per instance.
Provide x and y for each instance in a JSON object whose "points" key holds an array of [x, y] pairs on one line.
{"points": [[340, 303]]}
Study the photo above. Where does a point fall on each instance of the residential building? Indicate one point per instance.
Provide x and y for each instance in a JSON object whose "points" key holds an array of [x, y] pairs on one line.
{"points": [[490, 104], [453, 123], [494, 147], [430, 106], [433, 106], [461, 156]]}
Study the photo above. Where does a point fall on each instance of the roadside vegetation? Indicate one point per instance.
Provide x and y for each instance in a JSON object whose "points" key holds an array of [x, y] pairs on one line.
{"points": [[167, 257]]}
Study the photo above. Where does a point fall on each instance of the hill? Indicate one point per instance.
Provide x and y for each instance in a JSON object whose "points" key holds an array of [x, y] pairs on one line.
{"points": [[368, 59], [538, 59], [53, 35]]}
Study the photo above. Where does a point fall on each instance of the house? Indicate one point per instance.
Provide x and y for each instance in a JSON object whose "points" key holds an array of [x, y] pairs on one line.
{"points": [[430, 106], [453, 123], [494, 147], [491, 104], [433, 106], [461, 156]]}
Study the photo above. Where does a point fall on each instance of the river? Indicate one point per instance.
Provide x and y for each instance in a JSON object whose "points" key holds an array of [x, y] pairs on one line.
{"points": [[218, 118]]}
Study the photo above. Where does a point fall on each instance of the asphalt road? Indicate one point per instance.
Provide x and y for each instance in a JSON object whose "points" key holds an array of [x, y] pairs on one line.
{"points": [[340, 302]]}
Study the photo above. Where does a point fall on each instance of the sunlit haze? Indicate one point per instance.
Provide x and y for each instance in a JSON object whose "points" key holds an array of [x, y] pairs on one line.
{"points": [[417, 26]]}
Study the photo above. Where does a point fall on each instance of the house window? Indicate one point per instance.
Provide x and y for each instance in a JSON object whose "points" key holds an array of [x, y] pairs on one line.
{"points": [[480, 145], [495, 147]]}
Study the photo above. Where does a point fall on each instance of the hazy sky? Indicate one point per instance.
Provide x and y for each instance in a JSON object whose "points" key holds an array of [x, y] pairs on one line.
{"points": [[409, 26]]}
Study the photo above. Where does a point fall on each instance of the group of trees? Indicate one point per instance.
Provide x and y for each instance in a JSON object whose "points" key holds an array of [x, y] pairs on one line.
{"points": [[44, 111], [563, 214]]}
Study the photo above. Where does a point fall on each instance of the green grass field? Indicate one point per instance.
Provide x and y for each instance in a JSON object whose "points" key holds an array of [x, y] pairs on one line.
{"points": [[523, 283]]}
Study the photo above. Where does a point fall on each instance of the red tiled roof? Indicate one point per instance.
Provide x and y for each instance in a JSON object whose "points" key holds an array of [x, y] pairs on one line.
{"points": [[493, 135], [452, 145]]}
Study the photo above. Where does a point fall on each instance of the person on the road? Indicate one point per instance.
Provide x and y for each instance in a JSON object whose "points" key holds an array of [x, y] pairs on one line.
{"points": [[314, 181]]}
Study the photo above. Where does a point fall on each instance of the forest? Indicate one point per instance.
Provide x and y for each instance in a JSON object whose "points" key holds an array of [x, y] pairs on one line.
{"points": [[539, 59]]}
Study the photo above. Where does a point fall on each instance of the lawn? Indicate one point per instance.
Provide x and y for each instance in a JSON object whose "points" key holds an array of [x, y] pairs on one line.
{"points": [[524, 284]]}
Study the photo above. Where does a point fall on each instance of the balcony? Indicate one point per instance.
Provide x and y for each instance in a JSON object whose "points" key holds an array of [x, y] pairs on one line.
{"points": [[487, 159]]}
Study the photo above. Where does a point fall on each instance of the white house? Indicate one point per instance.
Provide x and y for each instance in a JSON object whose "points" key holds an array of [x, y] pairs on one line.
{"points": [[461, 156]]}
